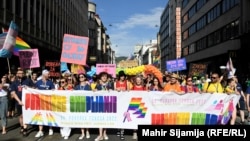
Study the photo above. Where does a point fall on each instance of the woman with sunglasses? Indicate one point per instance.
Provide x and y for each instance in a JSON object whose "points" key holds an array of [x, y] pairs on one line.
{"points": [[190, 87], [83, 85], [63, 85]]}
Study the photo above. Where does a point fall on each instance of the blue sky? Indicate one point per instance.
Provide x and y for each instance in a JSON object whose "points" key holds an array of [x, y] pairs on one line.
{"points": [[130, 22]]}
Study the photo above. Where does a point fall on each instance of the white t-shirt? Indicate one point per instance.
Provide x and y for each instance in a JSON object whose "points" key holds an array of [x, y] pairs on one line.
{"points": [[3, 93]]}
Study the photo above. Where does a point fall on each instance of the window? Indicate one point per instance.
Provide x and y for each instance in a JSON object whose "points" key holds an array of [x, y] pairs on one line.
{"points": [[228, 4], [191, 48], [230, 31], [185, 51], [214, 38], [192, 11], [25, 15], [214, 13], [201, 44], [200, 3], [184, 3], [201, 22], [185, 35], [185, 18], [192, 29], [18, 8]]}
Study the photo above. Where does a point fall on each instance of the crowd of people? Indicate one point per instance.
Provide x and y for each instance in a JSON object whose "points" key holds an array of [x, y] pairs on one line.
{"points": [[11, 92]]}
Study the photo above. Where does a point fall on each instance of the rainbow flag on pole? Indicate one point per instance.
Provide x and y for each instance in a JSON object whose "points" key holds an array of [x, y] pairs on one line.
{"points": [[156, 60], [20, 45]]}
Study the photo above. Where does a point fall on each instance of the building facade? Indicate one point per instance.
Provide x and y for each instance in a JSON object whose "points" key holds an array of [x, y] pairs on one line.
{"points": [[100, 50], [213, 31], [170, 38], [42, 23]]}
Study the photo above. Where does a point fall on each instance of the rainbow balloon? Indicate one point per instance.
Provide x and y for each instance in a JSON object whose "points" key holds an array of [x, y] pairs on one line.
{"points": [[20, 45]]}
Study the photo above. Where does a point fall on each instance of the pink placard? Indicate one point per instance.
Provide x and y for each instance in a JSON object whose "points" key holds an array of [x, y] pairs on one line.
{"points": [[74, 49], [29, 58], [109, 68]]}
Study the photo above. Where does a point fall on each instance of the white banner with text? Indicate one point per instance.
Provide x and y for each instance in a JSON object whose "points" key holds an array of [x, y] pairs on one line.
{"points": [[88, 109]]}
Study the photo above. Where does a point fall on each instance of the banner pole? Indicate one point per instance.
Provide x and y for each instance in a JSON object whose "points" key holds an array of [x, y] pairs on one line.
{"points": [[8, 65]]}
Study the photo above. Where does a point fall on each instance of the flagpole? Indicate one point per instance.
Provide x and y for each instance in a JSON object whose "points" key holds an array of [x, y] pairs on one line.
{"points": [[8, 65]]}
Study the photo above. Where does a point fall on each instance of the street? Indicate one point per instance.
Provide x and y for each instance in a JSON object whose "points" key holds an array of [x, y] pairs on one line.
{"points": [[13, 134]]}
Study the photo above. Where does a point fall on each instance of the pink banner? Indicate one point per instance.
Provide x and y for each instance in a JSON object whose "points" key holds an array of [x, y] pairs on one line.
{"points": [[74, 49], [109, 68], [29, 58]]}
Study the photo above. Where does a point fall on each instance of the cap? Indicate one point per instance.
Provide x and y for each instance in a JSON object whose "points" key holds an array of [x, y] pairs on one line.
{"points": [[45, 72], [175, 76]]}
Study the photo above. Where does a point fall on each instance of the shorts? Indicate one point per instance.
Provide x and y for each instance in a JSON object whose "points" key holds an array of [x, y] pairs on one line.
{"points": [[19, 109], [248, 90], [241, 105]]}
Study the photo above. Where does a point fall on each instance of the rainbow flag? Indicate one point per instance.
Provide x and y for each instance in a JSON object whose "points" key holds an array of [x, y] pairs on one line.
{"points": [[156, 60], [20, 45]]}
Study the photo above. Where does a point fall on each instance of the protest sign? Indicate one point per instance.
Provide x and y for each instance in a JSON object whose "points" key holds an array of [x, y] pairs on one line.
{"points": [[29, 58], [109, 68], [74, 49]]}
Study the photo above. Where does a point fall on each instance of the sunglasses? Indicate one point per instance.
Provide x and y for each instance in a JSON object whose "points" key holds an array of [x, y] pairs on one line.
{"points": [[189, 80], [213, 77], [62, 82]]}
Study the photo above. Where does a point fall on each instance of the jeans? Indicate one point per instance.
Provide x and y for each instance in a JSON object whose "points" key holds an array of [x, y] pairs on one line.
{"points": [[3, 110]]}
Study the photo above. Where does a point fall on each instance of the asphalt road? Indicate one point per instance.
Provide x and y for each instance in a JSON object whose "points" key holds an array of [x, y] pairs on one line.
{"points": [[13, 134]]}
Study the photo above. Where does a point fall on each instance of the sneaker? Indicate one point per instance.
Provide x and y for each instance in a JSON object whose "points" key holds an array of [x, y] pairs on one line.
{"points": [[87, 135], [99, 138], [134, 136], [66, 137], [50, 132], [122, 137], [105, 137], [39, 134], [118, 133], [81, 137]]}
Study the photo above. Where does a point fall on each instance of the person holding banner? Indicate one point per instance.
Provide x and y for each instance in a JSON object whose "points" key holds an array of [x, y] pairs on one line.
{"points": [[231, 88], [44, 84], [121, 85], [16, 88], [173, 85], [156, 85], [65, 131], [103, 85], [214, 86], [83, 85], [190, 87], [138, 86]]}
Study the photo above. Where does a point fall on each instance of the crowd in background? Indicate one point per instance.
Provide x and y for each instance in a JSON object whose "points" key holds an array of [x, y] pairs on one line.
{"points": [[11, 92]]}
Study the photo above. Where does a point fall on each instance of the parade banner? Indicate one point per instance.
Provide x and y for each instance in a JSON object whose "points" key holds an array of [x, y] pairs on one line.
{"points": [[29, 58], [108, 68], [74, 49], [88, 109]]}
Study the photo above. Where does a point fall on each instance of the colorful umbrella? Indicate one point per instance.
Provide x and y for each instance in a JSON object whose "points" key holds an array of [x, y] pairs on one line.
{"points": [[20, 45]]}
